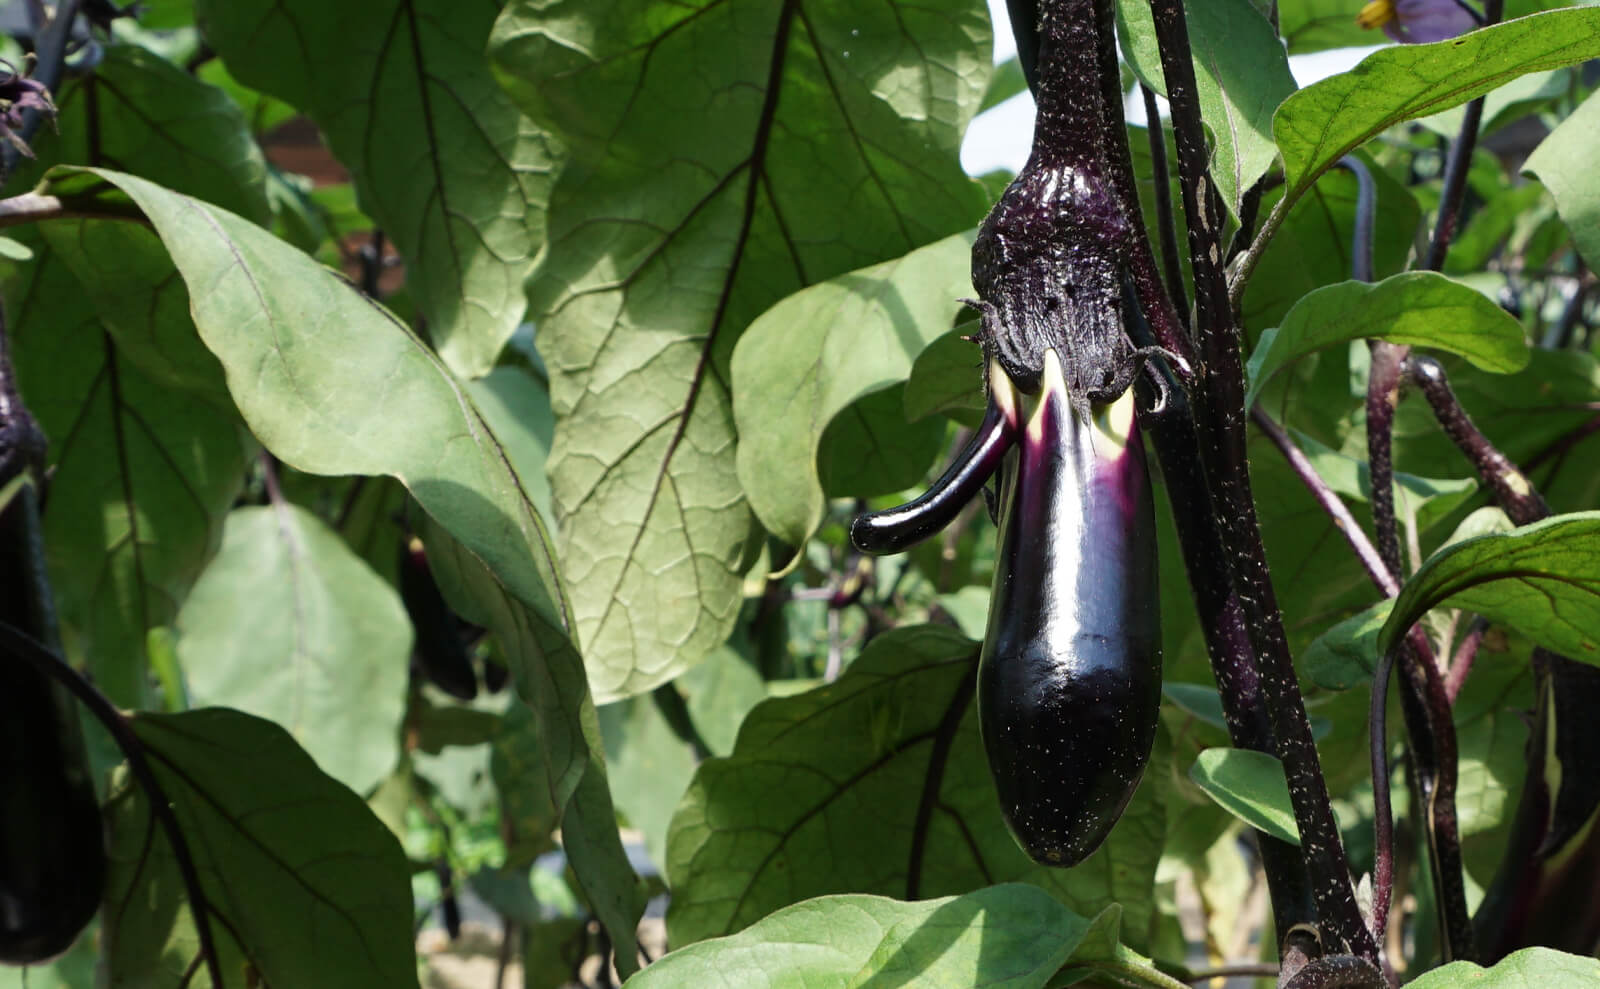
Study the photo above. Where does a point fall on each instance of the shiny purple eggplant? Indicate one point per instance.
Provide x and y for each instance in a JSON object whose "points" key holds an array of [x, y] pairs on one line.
{"points": [[1069, 682]]}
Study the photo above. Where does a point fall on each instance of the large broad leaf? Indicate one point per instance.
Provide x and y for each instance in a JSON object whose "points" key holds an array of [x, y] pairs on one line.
{"points": [[302, 880], [877, 783], [1316, 25], [288, 624], [722, 156], [443, 162], [1241, 75], [809, 357], [1541, 579], [147, 450], [1421, 308], [1542, 967], [144, 472], [1564, 163], [332, 384], [1323, 122], [1006, 937]]}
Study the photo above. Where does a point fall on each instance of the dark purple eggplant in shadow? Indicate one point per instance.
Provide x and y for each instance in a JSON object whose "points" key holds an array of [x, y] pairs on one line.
{"points": [[1069, 684]]}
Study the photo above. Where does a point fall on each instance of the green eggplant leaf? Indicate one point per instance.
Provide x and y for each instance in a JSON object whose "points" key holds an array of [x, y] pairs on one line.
{"points": [[288, 624], [139, 113], [1564, 163], [1250, 786], [302, 881], [1543, 967], [1241, 76], [1344, 655], [808, 358], [1421, 308], [1312, 247], [1323, 122], [1317, 25], [442, 160], [145, 472], [1010, 936], [827, 792], [1542, 580], [948, 377], [706, 181]]}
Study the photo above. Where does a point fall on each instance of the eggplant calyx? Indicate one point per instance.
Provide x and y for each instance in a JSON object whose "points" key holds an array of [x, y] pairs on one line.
{"points": [[895, 530]]}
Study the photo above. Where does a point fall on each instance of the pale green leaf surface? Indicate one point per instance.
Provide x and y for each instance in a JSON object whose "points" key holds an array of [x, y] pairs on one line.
{"points": [[333, 385], [1541, 579], [288, 624], [1345, 655], [443, 162], [297, 868], [722, 157], [1421, 308], [1012, 936], [806, 359], [1564, 163], [649, 767], [1530, 968], [1250, 786], [822, 794], [1325, 121]]}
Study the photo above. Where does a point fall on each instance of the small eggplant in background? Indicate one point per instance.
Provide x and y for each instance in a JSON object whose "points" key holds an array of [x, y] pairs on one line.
{"points": [[52, 841], [442, 651], [1069, 681]]}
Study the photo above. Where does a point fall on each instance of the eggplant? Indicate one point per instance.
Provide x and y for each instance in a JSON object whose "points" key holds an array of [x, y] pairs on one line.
{"points": [[52, 841], [1069, 681]]}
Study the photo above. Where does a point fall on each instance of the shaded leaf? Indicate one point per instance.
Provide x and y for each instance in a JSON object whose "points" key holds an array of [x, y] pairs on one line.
{"points": [[870, 448], [287, 624], [649, 767], [708, 180], [139, 113], [293, 864], [442, 160], [808, 358], [1564, 163], [1541, 579], [1344, 656], [876, 783], [144, 472], [948, 377], [1421, 308], [1250, 786], [527, 815], [1325, 121]]}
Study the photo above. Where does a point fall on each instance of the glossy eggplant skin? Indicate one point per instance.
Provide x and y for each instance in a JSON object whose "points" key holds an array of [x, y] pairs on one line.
{"points": [[1069, 683], [52, 842]]}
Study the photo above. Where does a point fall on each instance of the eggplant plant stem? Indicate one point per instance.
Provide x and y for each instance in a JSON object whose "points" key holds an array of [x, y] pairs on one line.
{"points": [[1510, 488], [1461, 662], [1457, 166], [1361, 234], [1222, 621], [1221, 420], [1430, 729]]}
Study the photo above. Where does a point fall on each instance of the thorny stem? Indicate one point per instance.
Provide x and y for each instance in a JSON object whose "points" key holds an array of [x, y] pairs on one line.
{"points": [[1222, 621], [1430, 729], [1221, 424], [117, 726], [1510, 488]]}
